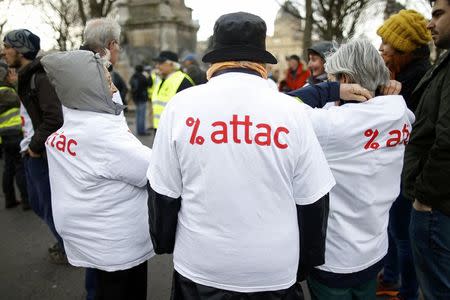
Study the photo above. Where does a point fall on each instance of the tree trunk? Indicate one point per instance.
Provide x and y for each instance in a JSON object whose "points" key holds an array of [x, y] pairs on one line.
{"points": [[392, 7], [308, 28]]}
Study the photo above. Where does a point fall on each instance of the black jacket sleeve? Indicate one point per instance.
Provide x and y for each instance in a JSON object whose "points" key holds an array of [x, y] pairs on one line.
{"points": [[312, 221], [163, 219], [51, 113], [317, 95]]}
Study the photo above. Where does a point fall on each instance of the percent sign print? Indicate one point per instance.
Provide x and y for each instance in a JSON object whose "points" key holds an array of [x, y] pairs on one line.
{"points": [[194, 138], [371, 143]]}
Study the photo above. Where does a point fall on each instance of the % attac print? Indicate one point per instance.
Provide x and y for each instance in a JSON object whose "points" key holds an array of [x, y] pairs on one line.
{"points": [[396, 137]]}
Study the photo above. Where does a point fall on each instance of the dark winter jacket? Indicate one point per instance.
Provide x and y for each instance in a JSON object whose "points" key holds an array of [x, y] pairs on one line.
{"points": [[42, 104], [120, 85], [426, 169], [139, 85], [410, 77], [196, 74], [318, 79]]}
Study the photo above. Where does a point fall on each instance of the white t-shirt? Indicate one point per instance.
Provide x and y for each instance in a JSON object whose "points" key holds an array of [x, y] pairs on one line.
{"points": [[368, 179], [27, 129], [97, 176], [237, 227], [27, 125]]}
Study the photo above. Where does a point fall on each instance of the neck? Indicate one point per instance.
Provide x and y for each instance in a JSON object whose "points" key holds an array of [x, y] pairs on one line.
{"points": [[24, 62]]}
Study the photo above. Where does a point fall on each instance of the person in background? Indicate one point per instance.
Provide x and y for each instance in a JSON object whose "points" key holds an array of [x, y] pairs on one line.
{"points": [[98, 177], [42, 105], [151, 73], [426, 171], [139, 84], [316, 61], [173, 81], [11, 135], [404, 49], [193, 70], [364, 145], [296, 75]]}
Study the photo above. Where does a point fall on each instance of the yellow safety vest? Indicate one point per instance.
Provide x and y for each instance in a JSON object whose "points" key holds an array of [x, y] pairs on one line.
{"points": [[10, 120], [164, 91], [155, 80]]}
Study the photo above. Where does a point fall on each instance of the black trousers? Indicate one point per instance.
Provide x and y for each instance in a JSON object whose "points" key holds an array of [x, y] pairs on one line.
{"points": [[13, 169], [122, 285], [185, 289]]}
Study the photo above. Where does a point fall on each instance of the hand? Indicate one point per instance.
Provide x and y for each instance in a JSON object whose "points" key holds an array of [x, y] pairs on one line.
{"points": [[33, 154], [421, 207], [12, 76], [392, 88], [352, 91]]}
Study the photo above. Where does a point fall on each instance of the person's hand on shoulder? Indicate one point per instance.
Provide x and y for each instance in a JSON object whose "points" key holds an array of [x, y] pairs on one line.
{"points": [[354, 92], [392, 88]]}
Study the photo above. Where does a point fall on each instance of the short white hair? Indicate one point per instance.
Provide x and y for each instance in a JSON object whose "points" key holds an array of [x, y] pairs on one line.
{"points": [[98, 33], [359, 60]]}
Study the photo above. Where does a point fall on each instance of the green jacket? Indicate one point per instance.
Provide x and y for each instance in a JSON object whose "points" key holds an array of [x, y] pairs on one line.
{"points": [[426, 170]]}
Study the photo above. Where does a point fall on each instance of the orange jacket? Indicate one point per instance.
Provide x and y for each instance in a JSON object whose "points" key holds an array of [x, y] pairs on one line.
{"points": [[297, 80]]}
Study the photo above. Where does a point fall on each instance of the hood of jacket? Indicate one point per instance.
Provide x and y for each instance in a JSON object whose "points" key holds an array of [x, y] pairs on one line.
{"points": [[80, 82]]}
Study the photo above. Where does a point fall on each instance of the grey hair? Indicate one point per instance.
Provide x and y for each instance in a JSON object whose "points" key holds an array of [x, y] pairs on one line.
{"points": [[98, 33], [359, 60]]}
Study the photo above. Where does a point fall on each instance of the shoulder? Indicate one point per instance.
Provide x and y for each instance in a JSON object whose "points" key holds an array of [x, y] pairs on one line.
{"points": [[40, 77]]}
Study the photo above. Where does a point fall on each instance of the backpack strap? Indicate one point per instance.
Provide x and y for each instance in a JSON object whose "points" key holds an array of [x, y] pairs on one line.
{"points": [[33, 87], [33, 83]]}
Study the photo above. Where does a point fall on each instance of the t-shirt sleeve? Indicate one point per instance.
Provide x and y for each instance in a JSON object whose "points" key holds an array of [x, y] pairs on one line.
{"points": [[164, 172], [128, 160], [312, 176]]}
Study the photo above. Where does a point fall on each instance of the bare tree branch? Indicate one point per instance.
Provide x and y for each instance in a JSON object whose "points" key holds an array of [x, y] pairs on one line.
{"points": [[82, 12]]}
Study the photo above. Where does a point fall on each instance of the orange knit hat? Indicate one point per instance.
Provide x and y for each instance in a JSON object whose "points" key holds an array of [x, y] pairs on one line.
{"points": [[405, 31]]}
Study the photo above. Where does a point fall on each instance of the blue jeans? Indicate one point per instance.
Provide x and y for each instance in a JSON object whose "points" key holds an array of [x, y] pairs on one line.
{"points": [[430, 241], [399, 259], [38, 186], [140, 117]]}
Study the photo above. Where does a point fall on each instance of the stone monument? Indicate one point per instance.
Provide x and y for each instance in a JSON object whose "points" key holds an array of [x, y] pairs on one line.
{"points": [[150, 26]]}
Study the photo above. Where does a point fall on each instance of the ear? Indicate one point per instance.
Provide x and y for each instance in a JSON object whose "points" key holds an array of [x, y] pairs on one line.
{"points": [[111, 45]]}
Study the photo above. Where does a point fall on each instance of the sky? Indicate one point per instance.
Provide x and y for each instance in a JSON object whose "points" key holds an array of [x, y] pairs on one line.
{"points": [[205, 12]]}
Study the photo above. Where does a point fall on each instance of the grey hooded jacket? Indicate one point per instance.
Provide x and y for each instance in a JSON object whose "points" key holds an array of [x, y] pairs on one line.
{"points": [[80, 82]]}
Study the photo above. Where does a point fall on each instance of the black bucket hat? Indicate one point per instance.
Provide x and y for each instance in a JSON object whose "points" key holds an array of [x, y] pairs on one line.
{"points": [[239, 36], [166, 55]]}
